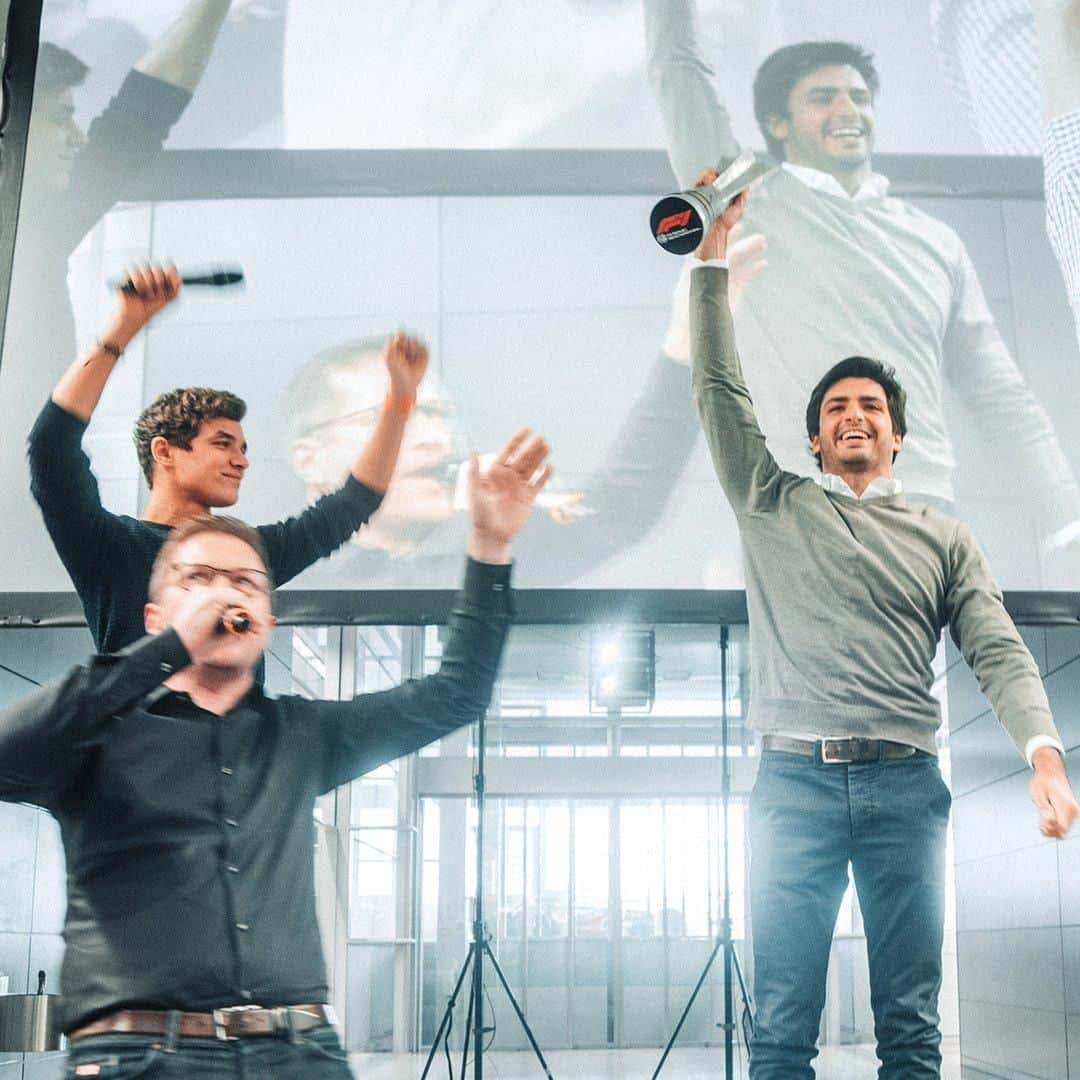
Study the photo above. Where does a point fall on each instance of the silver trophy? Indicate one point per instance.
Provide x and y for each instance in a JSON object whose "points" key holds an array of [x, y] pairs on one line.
{"points": [[680, 221]]}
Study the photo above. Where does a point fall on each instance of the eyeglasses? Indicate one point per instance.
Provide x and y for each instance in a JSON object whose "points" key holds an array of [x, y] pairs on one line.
{"points": [[249, 581], [429, 410]]}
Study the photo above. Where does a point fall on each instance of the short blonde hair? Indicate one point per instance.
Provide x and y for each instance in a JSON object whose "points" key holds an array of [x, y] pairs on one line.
{"points": [[203, 523]]}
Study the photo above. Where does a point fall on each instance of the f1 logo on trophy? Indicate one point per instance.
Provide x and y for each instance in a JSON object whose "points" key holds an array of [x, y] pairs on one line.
{"points": [[680, 220]]}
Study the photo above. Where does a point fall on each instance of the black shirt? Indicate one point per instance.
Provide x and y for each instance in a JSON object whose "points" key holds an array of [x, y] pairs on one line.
{"points": [[109, 556], [189, 836]]}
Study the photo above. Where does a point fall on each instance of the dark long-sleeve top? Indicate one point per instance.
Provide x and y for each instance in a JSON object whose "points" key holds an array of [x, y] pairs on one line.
{"points": [[109, 556], [188, 836]]}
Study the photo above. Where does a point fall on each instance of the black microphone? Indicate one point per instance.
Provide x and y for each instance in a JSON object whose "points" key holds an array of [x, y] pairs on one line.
{"points": [[216, 276]]}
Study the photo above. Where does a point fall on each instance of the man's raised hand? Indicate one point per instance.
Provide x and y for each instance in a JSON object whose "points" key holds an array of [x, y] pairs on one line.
{"points": [[502, 495], [150, 289], [714, 245], [406, 360]]}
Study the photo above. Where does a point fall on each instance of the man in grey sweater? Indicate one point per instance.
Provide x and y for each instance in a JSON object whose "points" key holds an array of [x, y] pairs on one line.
{"points": [[849, 587]]}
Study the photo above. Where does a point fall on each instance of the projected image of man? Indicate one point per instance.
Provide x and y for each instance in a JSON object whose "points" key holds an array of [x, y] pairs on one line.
{"points": [[331, 403], [850, 583], [848, 268]]}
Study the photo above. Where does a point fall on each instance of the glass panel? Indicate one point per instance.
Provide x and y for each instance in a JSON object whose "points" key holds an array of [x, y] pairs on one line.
{"points": [[372, 898], [642, 869], [591, 896]]}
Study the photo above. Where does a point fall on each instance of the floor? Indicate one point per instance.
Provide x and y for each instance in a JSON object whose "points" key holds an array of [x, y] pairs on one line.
{"points": [[834, 1063]]}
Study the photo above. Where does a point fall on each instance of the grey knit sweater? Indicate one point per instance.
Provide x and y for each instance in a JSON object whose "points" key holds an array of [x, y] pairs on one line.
{"points": [[848, 599]]}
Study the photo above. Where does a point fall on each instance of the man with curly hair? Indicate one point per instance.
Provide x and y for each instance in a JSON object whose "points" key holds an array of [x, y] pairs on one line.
{"points": [[193, 453]]}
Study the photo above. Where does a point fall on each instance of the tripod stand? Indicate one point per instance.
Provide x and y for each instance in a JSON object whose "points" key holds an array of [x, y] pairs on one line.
{"points": [[724, 941], [478, 949]]}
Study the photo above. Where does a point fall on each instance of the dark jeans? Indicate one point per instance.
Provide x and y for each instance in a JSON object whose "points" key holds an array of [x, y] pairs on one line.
{"points": [[807, 822], [315, 1055]]}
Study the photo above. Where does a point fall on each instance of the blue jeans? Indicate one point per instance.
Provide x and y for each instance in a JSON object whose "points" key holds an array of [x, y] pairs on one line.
{"points": [[808, 821], [314, 1055]]}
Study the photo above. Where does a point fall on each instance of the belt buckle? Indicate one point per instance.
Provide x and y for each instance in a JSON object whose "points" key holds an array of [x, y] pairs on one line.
{"points": [[833, 751], [222, 1017]]}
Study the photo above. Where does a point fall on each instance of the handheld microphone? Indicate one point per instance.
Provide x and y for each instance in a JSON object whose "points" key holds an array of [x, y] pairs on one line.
{"points": [[680, 221], [236, 621], [216, 276]]}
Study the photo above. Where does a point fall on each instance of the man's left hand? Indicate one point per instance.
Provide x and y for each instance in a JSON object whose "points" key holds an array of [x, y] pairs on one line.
{"points": [[1052, 794], [502, 495], [406, 360]]}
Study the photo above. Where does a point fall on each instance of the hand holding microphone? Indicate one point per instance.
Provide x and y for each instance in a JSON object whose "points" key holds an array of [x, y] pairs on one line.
{"points": [[209, 615]]}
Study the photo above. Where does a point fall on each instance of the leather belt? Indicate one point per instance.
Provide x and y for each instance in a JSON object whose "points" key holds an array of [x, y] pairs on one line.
{"points": [[236, 1022], [839, 751]]}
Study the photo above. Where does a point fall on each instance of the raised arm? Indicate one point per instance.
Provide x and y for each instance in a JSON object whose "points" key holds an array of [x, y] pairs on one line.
{"points": [[697, 127], [1008, 677], [747, 470], [362, 734], [80, 387], [179, 57], [293, 545]]}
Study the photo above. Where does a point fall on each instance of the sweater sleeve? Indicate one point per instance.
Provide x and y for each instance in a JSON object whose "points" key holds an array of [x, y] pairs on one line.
{"points": [[990, 643], [293, 545], [979, 364], [697, 128], [66, 490], [121, 143], [747, 470]]}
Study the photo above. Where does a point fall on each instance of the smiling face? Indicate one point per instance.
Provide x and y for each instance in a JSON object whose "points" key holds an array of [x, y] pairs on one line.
{"points": [[210, 472], [856, 429], [829, 124]]}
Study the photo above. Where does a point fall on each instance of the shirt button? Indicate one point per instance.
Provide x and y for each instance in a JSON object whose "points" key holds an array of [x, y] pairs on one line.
{"points": [[226, 770], [233, 869], [498, 587], [242, 926], [166, 667], [233, 822], [245, 994]]}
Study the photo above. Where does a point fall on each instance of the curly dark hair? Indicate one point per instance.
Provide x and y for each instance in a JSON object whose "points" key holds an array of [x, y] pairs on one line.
{"points": [[858, 367], [177, 416], [781, 70]]}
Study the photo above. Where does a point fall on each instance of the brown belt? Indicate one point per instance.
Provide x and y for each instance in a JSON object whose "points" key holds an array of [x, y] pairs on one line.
{"points": [[838, 751], [237, 1022]]}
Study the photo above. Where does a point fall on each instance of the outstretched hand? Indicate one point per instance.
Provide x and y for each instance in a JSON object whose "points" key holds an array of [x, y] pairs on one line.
{"points": [[152, 287], [1052, 793], [502, 495]]}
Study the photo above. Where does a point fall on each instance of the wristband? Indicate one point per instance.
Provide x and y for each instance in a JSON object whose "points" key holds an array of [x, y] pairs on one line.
{"points": [[401, 405]]}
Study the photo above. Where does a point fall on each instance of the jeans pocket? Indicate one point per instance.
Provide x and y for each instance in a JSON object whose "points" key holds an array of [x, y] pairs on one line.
{"points": [[105, 1060], [324, 1042]]}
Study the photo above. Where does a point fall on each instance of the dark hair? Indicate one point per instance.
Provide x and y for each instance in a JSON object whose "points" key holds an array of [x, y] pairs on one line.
{"points": [[58, 69], [203, 523], [177, 416], [858, 367], [781, 70]]}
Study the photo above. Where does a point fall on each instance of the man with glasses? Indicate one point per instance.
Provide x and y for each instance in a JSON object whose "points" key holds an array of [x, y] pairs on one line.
{"points": [[192, 451], [185, 799]]}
